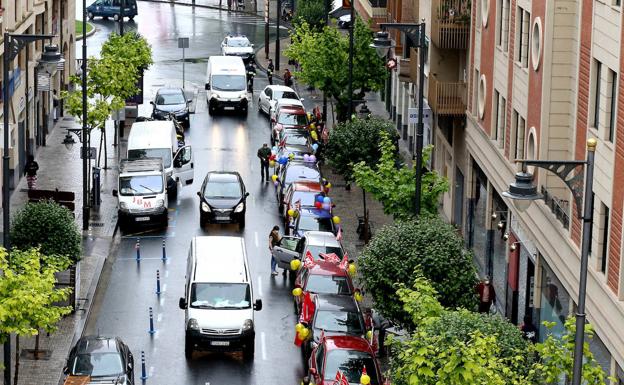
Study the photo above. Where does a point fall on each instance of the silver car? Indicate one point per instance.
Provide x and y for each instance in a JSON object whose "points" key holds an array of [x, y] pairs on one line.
{"points": [[316, 242]]}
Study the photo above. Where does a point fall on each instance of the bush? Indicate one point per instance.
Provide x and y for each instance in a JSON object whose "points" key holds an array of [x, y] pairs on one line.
{"points": [[357, 141], [50, 227], [311, 12], [429, 244]]}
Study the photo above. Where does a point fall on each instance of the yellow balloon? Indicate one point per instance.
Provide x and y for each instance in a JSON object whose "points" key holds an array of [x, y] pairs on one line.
{"points": [[297, 291], [274, 177], [369, 334], [314, 135], [295, 214], [365, 379], [328, 185], [358, 296], [304, 333], [352, 268], [298, 327], [336, 219], [291, 212], [291, 156], [295, 264], [272, 163]]}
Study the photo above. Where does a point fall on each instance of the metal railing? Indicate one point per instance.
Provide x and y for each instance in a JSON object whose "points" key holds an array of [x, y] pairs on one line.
{"points": [[447, 98], [559, 207], [450, 28]]}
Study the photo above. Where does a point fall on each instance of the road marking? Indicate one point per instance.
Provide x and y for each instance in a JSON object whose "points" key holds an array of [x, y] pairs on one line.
{"points": [[151, 371], [167, 273], [256, 238], [263, 346], [260, 286], [162, 302], [164, 287], [159, 318]]}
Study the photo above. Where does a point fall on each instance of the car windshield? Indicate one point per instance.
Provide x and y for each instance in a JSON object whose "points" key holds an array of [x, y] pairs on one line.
{"points": [[292, 119], [317, 250], [140, 185], [97, 364], [222, 190], [220, 295], [350, 363], [328, 284], [338, 322], [307, 198], [163, 153], [229, 82], [296, 173], [167, 99], [296, 139], [279, 94], [310, 223], [238, 42]]}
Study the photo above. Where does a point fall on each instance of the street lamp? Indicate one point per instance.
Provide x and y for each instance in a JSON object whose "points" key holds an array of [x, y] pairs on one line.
{"points": [[382, 44], [13, 44], [524, 192], [69, 141]]}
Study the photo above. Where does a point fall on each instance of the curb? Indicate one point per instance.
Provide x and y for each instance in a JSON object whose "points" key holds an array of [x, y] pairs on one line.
{"points": [[93, 30]]}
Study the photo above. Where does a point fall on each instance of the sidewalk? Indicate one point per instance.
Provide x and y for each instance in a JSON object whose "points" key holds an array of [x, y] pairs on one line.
{"points": [[61, 168]]}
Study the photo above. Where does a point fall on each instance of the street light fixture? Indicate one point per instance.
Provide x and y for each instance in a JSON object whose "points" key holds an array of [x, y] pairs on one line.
{"points": [[69, 141], [524, 192], [13, 44], [382, 43]]}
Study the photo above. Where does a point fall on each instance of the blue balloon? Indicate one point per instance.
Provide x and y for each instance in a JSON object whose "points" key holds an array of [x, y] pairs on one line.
{"points": [[319, 198], [326, 200], [315, 146]]}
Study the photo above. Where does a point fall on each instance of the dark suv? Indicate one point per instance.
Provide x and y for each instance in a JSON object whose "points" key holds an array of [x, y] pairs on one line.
{"points": [[112, 8], [104, 359], [222, 198]]}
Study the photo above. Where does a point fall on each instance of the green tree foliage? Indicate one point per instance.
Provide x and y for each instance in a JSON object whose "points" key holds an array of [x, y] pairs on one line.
{"points": [[394, 186], [131, 48], [48, 226], [311, 12], [356, 141], [429, 244], [323, 58], [421, 301]]}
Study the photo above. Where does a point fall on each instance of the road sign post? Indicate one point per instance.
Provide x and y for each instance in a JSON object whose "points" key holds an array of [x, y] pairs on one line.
{"points": [[183, 42]]}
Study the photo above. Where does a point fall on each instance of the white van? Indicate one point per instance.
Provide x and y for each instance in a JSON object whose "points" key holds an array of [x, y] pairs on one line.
{"points": [[218, 297], [157, 139], [226, 84]]}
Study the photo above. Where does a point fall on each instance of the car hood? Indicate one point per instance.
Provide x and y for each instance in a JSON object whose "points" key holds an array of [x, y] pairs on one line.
{"points": [[237, 50], [220, 318], [171, 107], [226, 203]]}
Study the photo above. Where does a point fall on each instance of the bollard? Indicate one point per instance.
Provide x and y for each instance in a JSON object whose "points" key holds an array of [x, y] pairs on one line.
{"points": [[157, 282], [164, 251], [143, 371], [151, 319], [138, 250]]}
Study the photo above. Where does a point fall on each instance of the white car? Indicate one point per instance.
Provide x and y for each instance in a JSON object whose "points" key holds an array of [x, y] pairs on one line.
{"points": [[269, 96], [237, 45]]}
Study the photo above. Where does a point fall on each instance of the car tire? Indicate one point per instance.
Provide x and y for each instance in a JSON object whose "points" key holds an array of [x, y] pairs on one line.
{"points": [[165, 220], [212, 109], [173, 193], [116, 17], [90, 15], [131, 18], [241, 224], [259, 107], [202, 220], [188, 349], [249, 351]]}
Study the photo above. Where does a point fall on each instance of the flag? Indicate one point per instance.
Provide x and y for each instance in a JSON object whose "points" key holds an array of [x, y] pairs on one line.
{"points": [[344, 264], [341, 379], [308, 261], [282, 142], [339, 235], [298, 204], [307, 308], [331, 257]]}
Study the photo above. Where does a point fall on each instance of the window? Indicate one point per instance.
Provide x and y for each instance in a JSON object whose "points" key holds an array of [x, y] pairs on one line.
{"points": [[522, 37], [475, 92], [604, 239], [502, 30], [495, 109], [499, 109], [596, 98], [518, 128], [612, 105]]}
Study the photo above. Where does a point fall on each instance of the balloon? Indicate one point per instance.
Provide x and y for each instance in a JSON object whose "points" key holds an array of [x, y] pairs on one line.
{"points": [[312, 158], [314, 135], [297, 291], [319, 198], [328, 185], [305, 332], [283, 160], [352, 269], [271, 163], [274, 178], [291, 212], [274, 149], [315, 146], [276, 183], [358, 296], [272, 157], [291, 156], [299, 327], [326, 206], [317, 204], [369, 335], [295, 214], [306, 158], [336, 219], [327, 200], [365, 379]]}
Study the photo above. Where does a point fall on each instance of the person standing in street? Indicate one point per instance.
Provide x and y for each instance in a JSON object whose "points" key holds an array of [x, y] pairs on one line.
{"points": [[270, 69], [264, 153], [487, 295], [274, 240], [30, 169]]}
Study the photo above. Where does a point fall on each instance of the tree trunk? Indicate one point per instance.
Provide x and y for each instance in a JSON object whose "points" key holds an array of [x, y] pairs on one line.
{"points": [[105, 148], [36, 352], [17, 355]]}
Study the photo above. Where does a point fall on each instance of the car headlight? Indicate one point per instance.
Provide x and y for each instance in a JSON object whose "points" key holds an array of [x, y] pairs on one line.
{"points": [[239, 208], [192, 324], [160, 203], [205, 207], [248, 325], [123, 205]]}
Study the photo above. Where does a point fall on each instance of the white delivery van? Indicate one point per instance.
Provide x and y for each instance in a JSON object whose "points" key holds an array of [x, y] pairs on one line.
{"points": [[142, 194], [226, 84], [157, 139], [218, 297]]}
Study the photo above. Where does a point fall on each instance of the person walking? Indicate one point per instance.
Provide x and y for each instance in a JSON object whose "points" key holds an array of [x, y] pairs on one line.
{"points": [[274, 240], [264, 153], [288, 78], [270, 69], [30, 169], [487, 295]]}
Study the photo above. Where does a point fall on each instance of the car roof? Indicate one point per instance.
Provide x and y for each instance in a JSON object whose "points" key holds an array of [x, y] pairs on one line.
{"points": [[317, 238], [336, 302], [296, 132], [307, 186], [289, 102], [322, 267], [334, 342], [167, 91], [295, 148], [223, 176], [279, 87], [293, 110], [314, 212], [98, 344]]}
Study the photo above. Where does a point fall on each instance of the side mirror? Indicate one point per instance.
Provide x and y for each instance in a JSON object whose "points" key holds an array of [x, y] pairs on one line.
{"points": [[65, 370], [301, 99], [199, 194], [246, 194], [182, 303], [152, 103], [189, 100], [207, 86], [258, 305], [115, 193]]}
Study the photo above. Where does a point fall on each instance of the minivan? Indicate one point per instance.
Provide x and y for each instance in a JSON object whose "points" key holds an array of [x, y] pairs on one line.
{"points": [[218, 300], [226, 84], [112, 8]]}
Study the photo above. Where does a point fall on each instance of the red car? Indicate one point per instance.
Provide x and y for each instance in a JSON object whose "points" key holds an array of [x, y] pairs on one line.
{"points": [[323, 278], [304, 190], [346, 354], [288, 118]]}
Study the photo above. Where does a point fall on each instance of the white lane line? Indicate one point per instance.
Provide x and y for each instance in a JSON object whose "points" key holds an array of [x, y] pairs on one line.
{"points": [[164, 288], [256, 238], [167, 273], [159, 318], [162, 302], [263, 345], [260, 286]]}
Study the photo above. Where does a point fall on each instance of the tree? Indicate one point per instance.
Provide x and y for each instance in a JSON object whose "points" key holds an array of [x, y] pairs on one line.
{"points": [[356, 141], [311, 12], [432, 246], [131, 48], [48, 226], [394, 186], [323, 58], [28, 295]]}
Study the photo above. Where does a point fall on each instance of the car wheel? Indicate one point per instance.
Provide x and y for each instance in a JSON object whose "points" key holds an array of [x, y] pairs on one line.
{"points": [[259, 106], [116, 17], [249, 351], [211, 108], [188, 349], [165, 220], [90, 15], [131, 18], [173, 193], [241, 224], [202, 219]]}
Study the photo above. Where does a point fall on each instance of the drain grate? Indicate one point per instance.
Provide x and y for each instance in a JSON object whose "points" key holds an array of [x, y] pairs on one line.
{"points": [[97, 224]]}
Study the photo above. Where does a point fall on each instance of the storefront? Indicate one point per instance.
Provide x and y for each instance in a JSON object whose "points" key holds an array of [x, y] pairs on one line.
{"points": [[498, 256], [477, 219], [554, 302]]}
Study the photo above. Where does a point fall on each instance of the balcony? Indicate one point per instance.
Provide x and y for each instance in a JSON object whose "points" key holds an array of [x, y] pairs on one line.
{"points": [[447, 98], [450, 28], [374, 9]]}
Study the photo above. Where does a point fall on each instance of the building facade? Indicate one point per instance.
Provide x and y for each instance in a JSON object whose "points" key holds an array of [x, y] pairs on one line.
{"points": [[31, 112]]}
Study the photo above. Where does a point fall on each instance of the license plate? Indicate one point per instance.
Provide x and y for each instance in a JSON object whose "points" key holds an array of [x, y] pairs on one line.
{"points": [[222, 217], [142, 219], [220, 343]]}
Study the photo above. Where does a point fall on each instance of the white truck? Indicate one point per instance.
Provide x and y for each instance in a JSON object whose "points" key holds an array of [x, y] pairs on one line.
{"points": [[226, 84], [142, 193]]}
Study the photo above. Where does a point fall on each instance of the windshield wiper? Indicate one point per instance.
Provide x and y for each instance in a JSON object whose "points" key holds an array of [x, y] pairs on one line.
{"points": [[147, 188]]}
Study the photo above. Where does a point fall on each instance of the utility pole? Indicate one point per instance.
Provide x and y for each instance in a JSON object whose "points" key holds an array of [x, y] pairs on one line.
{"points": [[121, 17], [277, 39]]}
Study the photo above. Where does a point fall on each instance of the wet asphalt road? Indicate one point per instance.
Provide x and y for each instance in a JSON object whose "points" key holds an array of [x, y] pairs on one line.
{"points": [[225, 142]]}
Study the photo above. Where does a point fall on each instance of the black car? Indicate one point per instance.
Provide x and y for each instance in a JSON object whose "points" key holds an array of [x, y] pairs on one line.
{"points": [[104, 359], [171, 101], [222, 198]]}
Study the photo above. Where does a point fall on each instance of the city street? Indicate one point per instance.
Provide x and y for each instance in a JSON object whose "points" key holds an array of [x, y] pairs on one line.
{"points": [[223, 142]]}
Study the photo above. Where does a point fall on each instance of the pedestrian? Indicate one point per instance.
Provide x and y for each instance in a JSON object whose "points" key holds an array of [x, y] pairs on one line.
{"points": [[55, 105], [487, 295], [270, 69], [30, 169], [287, 78], [529, 331], [264, 153], [251, 73], [274, 240]]}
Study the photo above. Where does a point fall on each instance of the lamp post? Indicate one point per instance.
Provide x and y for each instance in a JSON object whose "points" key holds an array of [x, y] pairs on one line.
{"points": [[85, 132], [523, 192], [13, 44], [382, 43], [351, 30], [278, 4]]}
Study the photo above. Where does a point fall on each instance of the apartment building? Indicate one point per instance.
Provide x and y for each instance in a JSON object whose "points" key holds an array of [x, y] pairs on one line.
{"points": [[31, 101]]}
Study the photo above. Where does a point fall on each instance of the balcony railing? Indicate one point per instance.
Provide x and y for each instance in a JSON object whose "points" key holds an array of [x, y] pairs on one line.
{"points": [[375, 8], [447, 98], [559, 207], [450, 28]]}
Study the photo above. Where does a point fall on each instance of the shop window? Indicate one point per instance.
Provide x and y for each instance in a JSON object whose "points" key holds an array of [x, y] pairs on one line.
{"points": [[555, 303], [479, 231], [601, 353], [619, 375]]}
